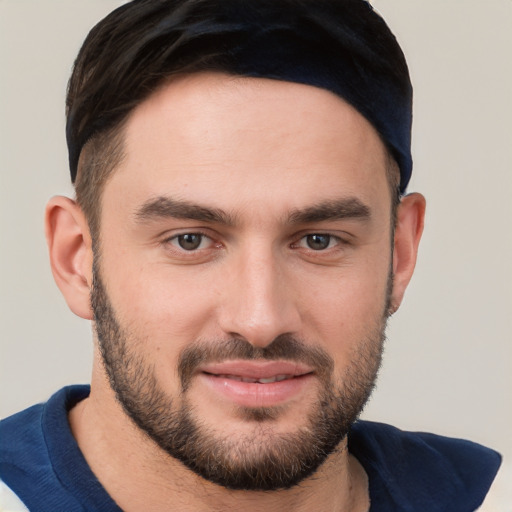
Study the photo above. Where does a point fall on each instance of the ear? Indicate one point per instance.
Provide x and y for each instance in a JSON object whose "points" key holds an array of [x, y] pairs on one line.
{"points": [[70, 248], [409, 227]]}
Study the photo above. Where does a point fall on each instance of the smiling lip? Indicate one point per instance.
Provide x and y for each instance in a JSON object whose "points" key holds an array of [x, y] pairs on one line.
{"points": [[256, 383]]}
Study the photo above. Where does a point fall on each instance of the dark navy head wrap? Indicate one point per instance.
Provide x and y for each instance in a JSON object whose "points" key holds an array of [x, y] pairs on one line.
{"points": [[342, 46]]}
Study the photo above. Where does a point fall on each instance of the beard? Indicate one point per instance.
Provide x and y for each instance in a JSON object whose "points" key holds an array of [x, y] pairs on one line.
{"points": [[263, 460]]}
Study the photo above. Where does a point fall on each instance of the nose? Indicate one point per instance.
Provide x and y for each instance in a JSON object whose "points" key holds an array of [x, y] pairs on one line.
{"points": [[259, 300]]}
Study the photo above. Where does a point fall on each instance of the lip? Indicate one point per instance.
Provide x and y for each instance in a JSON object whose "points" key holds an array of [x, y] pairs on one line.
{"points": [[256, 369], [236, 381]]}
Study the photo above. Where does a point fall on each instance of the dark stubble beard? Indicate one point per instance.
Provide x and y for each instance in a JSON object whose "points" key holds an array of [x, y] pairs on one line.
{"points": [[265, 460]]}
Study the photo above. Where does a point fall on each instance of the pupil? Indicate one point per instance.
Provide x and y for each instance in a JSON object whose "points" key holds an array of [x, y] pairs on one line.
{"points": [[190, 241], [318, 242]]}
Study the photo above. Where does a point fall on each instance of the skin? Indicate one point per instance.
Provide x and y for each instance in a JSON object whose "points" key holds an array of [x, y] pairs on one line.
{"points": [[260, 151]]}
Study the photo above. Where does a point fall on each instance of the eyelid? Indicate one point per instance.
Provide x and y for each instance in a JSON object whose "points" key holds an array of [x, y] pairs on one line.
{"points": [[175, 233], [172, 247], [203, 240], [342, 237], [334, 242]]}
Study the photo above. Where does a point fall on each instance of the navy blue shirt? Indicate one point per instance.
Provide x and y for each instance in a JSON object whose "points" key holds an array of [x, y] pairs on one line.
{"points": [[414, 472]]}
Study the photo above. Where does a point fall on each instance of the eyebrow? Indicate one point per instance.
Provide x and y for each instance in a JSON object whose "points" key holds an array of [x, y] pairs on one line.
{"points": [[336, 209], [165, 207]]}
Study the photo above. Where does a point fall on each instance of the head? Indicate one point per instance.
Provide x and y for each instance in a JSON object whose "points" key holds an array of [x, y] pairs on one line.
{"points": [[238, 237]]}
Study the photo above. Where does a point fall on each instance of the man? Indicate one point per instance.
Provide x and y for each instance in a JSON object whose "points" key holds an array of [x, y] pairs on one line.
{"points": [[239, 238]]}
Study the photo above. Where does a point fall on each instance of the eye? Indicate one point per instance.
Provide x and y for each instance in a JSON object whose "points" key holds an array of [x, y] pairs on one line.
{"points": [[318, 241], [190, 241]]}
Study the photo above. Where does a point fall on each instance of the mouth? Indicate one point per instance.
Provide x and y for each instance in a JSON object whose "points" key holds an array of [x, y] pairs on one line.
{"points": [[256, 383], [261, 380]]}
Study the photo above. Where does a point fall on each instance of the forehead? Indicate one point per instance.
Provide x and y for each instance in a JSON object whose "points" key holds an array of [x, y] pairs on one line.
{"points": [[215, 137]]}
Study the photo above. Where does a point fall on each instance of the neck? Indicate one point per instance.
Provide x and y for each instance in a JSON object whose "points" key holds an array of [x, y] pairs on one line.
{"points": [[145, 478]]}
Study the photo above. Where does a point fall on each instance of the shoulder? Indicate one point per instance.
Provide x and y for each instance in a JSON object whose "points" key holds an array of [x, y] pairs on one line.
{"points": [[23, 436], [30, 442], [422, 471], [21, 440]]}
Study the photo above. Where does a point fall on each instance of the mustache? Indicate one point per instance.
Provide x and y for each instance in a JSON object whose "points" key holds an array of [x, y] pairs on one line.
{"points": [[285, 347]]}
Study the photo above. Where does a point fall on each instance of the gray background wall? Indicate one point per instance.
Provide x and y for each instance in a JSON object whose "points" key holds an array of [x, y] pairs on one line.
{"points": [[448, 363]]}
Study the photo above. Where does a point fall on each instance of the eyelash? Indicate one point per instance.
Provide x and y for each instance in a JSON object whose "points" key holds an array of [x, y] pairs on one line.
{"points": [[338, 242], [175, 238]]}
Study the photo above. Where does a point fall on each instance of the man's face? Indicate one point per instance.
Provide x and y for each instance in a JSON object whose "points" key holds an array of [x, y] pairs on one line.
{"points": [[242, 276]]}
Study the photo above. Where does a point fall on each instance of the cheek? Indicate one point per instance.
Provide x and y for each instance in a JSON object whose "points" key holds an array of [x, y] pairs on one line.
{"points": [[160, 314], [349, 305], [163, 306]]}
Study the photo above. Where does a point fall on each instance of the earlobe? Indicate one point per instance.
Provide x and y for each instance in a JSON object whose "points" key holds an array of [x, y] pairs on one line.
{"points": [[70, 250], [409, 228]]}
